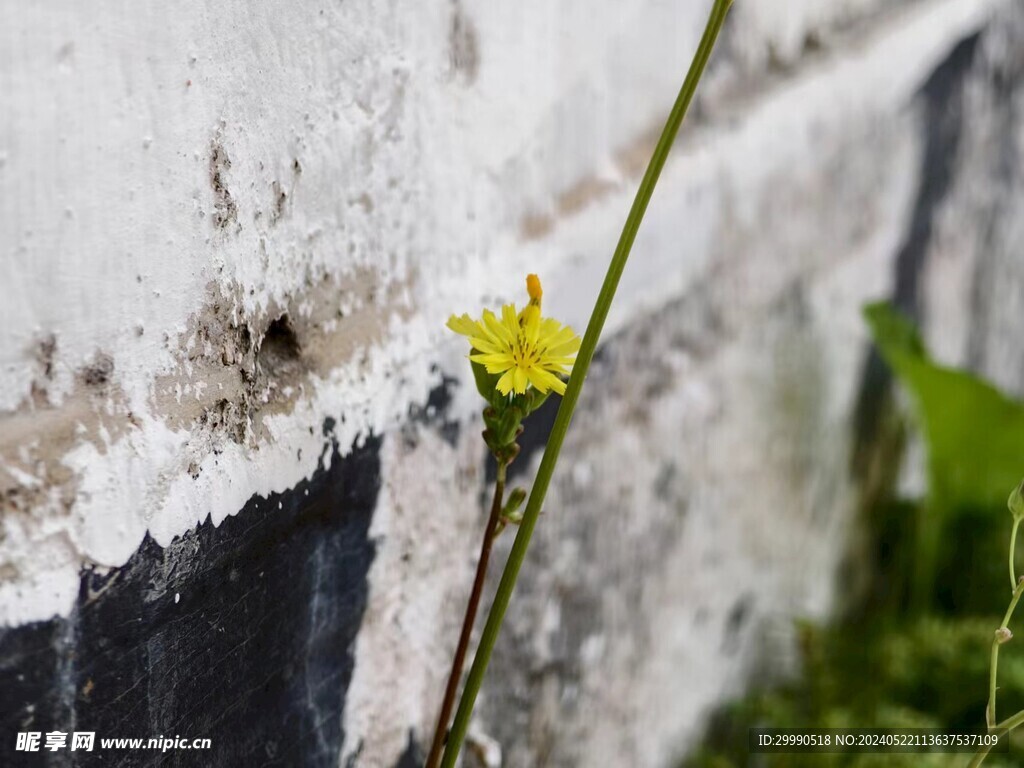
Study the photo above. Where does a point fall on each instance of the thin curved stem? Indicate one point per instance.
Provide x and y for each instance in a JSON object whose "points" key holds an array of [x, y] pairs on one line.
{"points": [[1007, 725], [579, 374], [990, 710], [470, 619], [979, 756], [1011, 722], [1013, 551]]}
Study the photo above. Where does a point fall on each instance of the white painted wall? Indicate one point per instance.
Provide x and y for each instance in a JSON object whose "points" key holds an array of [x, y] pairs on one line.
{"points": [[369, 168]]}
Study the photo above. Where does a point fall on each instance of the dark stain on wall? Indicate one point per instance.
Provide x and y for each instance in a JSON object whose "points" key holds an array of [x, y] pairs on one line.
{"points": [[1000, 273], [413, 757], [435, 413], [464, 45], [942, 120], [98, 372], [242, 634], [225, 210]]}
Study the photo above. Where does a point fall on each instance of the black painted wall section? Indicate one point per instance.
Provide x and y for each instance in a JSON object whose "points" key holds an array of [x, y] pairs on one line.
{"points": [[243, 634]]}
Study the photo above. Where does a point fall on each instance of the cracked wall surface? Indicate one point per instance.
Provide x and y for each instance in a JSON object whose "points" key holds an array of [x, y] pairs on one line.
{"points": [[234, 433]]}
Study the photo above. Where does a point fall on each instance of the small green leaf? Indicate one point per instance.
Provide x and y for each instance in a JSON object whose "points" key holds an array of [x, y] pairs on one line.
{"points": [[534, 400], [515, 501], [975, 433], [486, 383]]}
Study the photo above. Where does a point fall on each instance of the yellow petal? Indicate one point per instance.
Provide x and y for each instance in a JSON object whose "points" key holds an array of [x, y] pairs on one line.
{"points": [[494, 363], [531, 324], [497, 329], [554, 335], [555, 366], [465, 325], [510, 319], [544, 381], [570, 347], [504, 384], [549, 326], [486, 345], [519, 380]]}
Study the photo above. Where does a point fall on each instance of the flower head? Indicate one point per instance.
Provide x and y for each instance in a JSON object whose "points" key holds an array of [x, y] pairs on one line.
{"points": [[524, 348]]}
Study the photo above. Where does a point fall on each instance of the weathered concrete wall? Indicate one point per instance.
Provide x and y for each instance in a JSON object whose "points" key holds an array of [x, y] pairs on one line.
{"points": [[240, 474]]}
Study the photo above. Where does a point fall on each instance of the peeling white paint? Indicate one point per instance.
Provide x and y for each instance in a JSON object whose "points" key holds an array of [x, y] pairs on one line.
{"points": [[394, 164], [381, 126]]}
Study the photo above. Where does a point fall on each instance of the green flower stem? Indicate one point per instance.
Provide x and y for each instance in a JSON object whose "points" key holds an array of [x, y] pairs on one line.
{"points": [[979, 756], [1013, 551], [990, 710], [1007, 725], [470, 619], [1013, 604], [579, 374]]}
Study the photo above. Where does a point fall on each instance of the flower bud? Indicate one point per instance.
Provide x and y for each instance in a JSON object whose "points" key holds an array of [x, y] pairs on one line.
{"points": [[1003, 635], [533, 288], [1016, 502], [515, 501]]}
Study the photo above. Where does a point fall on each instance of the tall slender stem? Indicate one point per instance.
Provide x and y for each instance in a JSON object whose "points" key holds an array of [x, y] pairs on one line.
{"points": [[979, 756], [1001, 729], [579, 374], [1013, 551], [469, 620], [990, 709]]}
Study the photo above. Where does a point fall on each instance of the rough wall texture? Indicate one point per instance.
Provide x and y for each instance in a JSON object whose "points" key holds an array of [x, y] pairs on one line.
{"points": [[240, 472]]}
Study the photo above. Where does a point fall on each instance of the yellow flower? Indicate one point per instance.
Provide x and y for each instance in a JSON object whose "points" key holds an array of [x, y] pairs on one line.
{"points": [[525, 348]]}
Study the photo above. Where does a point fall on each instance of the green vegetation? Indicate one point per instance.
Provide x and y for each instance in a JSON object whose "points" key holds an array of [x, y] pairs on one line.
{"points": [[913, 648]]}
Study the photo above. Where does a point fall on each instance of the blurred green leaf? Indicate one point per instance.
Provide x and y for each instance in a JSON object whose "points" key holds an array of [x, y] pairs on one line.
{"points": [[975, 433], [924, 668]]}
